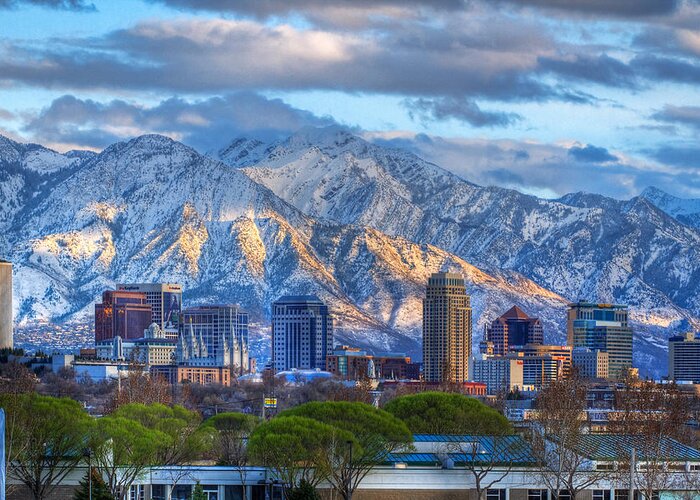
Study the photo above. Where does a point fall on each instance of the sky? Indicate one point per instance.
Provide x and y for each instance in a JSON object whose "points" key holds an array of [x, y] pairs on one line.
{"points": [[544, 96]]}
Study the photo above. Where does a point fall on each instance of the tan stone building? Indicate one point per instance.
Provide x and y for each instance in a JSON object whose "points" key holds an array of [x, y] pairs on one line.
{"points": [[447, 329]]}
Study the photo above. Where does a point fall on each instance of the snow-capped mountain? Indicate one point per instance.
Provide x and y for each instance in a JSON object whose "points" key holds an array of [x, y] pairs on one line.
{"points": [[686, 211], [153, 209], [326, 212], [580, 246]]}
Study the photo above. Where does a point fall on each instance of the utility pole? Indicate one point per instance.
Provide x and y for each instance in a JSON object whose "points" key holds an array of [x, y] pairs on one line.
{"points": [[633, 467]]}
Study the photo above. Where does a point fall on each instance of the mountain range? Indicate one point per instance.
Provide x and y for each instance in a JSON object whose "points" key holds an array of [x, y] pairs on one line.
{"points": [[327, 212]]}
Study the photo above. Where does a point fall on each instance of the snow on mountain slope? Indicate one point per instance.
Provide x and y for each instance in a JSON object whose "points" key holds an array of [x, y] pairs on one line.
{"points": [[152, 209], [686, 211], [580, 246]]}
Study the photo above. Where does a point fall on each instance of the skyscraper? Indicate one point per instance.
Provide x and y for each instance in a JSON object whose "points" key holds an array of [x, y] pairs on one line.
{"points": [[302, 333], [123, 314], [165, 300], [6, 338], [513, 329], [214, 335], [447, 329], [684, 358], [602, 327]]}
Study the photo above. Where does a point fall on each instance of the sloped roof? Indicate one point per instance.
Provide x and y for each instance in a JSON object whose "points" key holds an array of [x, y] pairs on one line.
{"points": [[605, 447], [510, 449], [515, 313]]}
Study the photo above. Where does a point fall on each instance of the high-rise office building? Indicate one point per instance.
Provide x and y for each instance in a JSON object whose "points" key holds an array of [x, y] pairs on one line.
{"points": [[165, 300], [121, 314], [602, 327], [591, 363], [684, 358], [513, 329], [447, 329], [302, 333], [543, 364], [500, 373], [6, 322], [214, 335]]}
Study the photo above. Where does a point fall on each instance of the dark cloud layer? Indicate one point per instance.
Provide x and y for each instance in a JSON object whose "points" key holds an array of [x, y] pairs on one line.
{"points": [[459, 109], [683, 115], [591, 154], [202, 124], [622, 8], [75, 5]]}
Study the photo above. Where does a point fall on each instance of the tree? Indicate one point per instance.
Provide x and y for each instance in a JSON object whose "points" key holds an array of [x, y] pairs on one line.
{"points": [[305, 491], [374, 435], [651, 415], [140, 387], [97, 491], [198, 492], [46, 439], [489, 459], [447, 413], [296, 449], [122, 449], [558, 441], [187, 439], [231, 432]]}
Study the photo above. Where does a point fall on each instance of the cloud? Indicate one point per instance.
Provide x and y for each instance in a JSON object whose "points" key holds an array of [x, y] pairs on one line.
{"points": [[621, 8], [679, 155], [601, 69], [544, 169], [683, 115], [460, 109], [203, 124], [74, 5], [591, 154], [215, 56]]}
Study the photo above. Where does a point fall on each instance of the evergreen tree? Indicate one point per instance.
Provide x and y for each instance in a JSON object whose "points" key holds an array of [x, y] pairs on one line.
{"points": [[305, 491], [100, 491], [198, 492]]}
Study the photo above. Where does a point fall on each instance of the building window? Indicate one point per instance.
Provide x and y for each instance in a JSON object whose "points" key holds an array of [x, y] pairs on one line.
{"points": [[622, 494], [495, 494], [564, 495], [538, 495], [601, 495]]}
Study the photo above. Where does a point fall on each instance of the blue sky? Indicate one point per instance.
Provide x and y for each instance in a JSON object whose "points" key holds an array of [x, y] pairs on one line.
{"points": [[544, 96]]}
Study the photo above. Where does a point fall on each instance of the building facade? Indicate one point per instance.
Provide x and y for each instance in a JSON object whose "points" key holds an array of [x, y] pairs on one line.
{"points": [[500, 374], [590, 363], [684, 358], [214, 336], [165, 300], [6, 321], [121, 314], [513, 330], [602, 327], [352, 363], [447, 329], [302, 333], [543, 364], [151, 350]]}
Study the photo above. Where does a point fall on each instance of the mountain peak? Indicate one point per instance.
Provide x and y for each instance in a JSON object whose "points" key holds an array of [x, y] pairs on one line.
{"points": [[332, 136]]}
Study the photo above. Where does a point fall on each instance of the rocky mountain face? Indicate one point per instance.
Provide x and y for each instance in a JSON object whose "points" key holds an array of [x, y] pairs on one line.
{"points": [[153, 209], [326, 212], [644, 252]]}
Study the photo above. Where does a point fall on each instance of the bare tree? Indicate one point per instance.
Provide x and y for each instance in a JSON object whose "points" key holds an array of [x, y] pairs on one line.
{"points": [[559, 439]]}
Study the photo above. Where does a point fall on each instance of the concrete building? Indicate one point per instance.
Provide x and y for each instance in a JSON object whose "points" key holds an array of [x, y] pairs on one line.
{"points": [[6, 319], [153, 349], [602, 327], [177, 374], [165, 300], [302, 333], [543, 364], [447, 329], [121, 314], [500, 374], [513, 329], [352, 363], [214, 335], [590, 363], [684, 358]]}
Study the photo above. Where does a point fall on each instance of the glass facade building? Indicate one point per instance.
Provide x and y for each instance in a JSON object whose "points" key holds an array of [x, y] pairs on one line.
{"points": [[122, 314], [602, 327], [302, 333]]}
